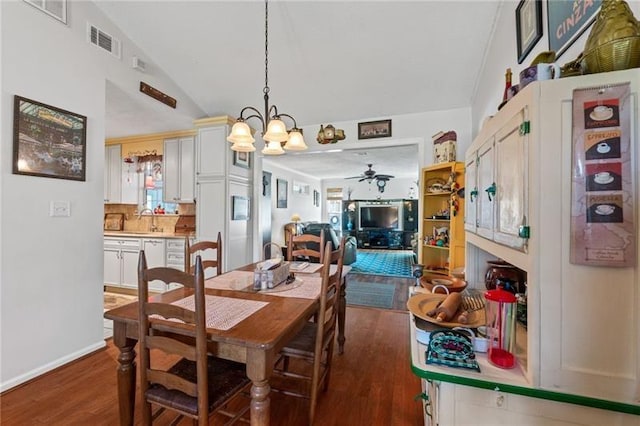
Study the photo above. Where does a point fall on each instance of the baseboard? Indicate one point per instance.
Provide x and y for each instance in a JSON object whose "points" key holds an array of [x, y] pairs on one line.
{"points": [[30, 375]]}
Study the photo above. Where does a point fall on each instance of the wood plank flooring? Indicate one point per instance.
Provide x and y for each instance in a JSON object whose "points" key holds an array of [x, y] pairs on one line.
{"points": [[371, 384]]}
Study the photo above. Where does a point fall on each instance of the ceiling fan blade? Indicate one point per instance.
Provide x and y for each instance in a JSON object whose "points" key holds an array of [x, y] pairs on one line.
{"points": [[354, 177], [384, 176]]}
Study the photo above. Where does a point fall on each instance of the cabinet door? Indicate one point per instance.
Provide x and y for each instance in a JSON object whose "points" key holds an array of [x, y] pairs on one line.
{"points": [[212, 149], [511, 182], [187, 170], [171, 173], [112, 171], [486, 182], [130, 183], [112, 271], [129, 260], [471, 193], [154, 252]]}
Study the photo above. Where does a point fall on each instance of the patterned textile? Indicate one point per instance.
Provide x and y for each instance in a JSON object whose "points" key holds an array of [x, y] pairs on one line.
{"points": [[452, 349], [396, 263], [376, 295]]}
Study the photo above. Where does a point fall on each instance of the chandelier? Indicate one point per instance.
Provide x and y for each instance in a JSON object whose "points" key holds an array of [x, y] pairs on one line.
{"points": [[274, 131]]}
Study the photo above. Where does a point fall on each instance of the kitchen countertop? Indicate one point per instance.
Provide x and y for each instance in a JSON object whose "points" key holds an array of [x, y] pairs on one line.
{"points": [[142, 234]]}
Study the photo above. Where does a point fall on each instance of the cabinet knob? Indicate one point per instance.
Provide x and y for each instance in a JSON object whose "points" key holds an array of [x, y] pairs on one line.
{"points": [[491, 191], [473, 193]]}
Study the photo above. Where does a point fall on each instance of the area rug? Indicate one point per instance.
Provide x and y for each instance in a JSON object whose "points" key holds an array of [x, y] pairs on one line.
{"points": [[395, 263], [370, 294]]}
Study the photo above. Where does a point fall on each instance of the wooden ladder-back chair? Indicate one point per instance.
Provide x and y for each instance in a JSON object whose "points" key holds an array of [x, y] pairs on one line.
{"points": [[306, 246], [200, 247], [198, 385], [304, 365]]}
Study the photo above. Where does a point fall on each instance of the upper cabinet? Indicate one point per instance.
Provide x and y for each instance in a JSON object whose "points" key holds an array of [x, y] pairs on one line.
{"points": [[179, 170], [112, 174], [496, 167]]}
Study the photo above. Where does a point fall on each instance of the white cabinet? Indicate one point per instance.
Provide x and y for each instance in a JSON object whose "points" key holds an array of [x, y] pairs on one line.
{"points": [[112, 174], [179, 170], [121, 262], [154, 253], [581, 343], [497, 183]]}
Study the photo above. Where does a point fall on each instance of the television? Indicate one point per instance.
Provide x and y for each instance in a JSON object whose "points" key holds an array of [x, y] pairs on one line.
{"points": [[380, 217]]}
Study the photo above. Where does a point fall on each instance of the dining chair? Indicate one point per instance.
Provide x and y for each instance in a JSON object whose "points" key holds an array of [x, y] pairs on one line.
{"points": [[197, 385], [303, 366], [201, 247], [306, 246]]}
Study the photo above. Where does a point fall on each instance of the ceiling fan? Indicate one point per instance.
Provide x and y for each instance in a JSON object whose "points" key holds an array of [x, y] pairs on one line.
{"points": [[370, 175]]}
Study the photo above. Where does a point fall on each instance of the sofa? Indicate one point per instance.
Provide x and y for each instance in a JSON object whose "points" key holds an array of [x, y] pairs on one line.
{"points": [[350, 244]]}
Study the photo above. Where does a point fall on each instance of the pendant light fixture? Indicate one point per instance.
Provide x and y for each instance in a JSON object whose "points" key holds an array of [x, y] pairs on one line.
{"points": [[274, 131]]}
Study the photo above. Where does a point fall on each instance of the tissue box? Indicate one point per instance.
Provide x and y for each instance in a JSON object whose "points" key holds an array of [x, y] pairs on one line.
{"points": [[444, 147], [272, 277]]}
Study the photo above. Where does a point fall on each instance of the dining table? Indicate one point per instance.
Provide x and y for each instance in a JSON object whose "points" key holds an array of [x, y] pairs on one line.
{"points": [[243, 325]]}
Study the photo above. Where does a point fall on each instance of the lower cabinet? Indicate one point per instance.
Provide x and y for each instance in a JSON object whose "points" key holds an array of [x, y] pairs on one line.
{"points": [[121, 262], [154, 252]]}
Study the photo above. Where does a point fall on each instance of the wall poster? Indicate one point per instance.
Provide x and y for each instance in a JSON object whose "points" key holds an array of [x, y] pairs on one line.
{"points": [[602, 193]]}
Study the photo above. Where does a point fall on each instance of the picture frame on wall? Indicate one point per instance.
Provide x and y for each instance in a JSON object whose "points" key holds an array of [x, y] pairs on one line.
{"points": [[374, 129], [528, 26], [316, 198], [54, 8], [240, 208], [281, 190], [559, 13], [48, 141], [242, 159]]}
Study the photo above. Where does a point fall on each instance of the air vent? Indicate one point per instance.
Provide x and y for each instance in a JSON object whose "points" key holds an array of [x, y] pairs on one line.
{"points": [[100, 39]]}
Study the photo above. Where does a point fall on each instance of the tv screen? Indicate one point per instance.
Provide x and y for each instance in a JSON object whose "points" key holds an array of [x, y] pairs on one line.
{"points": [[379, 217]]}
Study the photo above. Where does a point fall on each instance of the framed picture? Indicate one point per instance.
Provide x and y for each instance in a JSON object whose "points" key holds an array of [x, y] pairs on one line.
{"points": [[241, 159], [54, 8], [528, 26], [240, 208], [316, 198], [281, 188], [566, 25], [374, 129], [48, 141]]}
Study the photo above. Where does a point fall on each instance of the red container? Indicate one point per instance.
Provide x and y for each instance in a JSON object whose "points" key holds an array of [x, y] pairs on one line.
{"points": [[500, 310]]}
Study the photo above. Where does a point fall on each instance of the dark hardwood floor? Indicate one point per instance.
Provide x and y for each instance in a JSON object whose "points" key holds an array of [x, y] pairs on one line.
{"points": [[371, 383]]}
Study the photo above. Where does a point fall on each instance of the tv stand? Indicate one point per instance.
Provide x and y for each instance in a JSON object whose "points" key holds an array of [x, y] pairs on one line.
{"points": [[383, 239]]}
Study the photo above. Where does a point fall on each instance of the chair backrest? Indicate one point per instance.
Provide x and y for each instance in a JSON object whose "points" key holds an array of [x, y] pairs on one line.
{"points": [[306, 246], [173, 337], [329, 296], [201, 247]]}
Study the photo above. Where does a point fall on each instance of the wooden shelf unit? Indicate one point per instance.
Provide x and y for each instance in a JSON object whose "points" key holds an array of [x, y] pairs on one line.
{"points": [[435, 258]]}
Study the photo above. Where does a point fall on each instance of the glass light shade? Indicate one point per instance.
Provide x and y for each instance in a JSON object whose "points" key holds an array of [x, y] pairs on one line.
{"points": [[243, 147], [295, 142], [296, 218], [148, 182], [241, 133], [273, 148], [276, 131]]}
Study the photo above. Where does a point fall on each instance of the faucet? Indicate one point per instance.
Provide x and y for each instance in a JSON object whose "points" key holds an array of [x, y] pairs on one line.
{"points": [[154, 228]]}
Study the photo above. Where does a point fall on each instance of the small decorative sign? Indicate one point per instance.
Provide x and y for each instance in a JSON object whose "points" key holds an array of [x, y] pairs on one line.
{"points": [[374, 129], [602, 197], [567, 20], [157, 95]]}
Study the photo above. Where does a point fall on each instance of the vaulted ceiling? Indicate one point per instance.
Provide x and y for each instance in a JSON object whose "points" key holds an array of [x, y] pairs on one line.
{"points": [[329, 61]]}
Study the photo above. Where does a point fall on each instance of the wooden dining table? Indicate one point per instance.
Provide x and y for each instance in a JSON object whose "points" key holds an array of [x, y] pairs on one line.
{"points": [[254, 341]]}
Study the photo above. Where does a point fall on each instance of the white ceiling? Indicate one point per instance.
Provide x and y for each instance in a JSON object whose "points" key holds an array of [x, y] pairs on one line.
{"points": [[329, 61]]}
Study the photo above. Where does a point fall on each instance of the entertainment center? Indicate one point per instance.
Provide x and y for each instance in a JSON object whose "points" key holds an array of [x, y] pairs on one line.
{"points": [[381, 224]]}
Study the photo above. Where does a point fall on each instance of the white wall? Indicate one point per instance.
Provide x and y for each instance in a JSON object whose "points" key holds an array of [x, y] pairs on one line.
{"points": [[52, 268], [296, 203], [397, 188], [502, 54]]}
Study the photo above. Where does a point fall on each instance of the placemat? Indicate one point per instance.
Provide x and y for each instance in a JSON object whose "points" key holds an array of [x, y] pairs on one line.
{"points": [[223, 313], [243, 281]]}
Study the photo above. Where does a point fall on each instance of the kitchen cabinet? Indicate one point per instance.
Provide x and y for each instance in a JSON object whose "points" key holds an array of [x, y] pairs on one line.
{"points": [[581, 346], [442, 213], [496, 166], [121, 262], [112, 174], [179, 170], [154, 251]]}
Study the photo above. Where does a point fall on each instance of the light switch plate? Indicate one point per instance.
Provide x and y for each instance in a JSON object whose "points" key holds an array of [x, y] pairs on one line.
{"points": [[59, 209]]}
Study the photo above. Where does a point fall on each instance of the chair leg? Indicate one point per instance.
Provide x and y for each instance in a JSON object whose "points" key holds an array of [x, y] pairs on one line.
{"points": [[146, 413]]}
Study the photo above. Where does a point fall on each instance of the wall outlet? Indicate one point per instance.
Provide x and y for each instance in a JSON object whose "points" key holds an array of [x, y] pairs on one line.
{"points": [[59, 209], [498, 399]]}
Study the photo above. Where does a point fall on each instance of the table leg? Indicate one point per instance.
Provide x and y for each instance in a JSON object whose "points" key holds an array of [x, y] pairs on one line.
{"points": [[342, 307], [126, 372], [259, 368]]}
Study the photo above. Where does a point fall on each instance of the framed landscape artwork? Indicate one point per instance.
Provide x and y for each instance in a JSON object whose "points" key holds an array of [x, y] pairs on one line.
{"points": [[528, 26], [240, 206], [48, 141], [374, 129], [241, 159]]}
